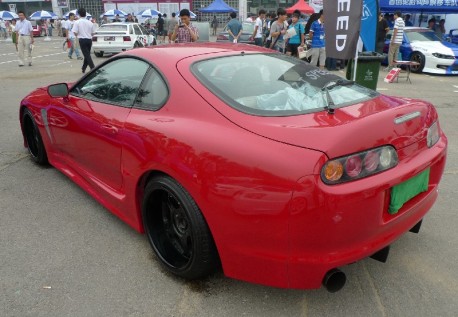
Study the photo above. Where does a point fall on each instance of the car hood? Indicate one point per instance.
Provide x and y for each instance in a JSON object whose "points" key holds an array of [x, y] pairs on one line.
{"points": [[350, 129], [428, 48]]}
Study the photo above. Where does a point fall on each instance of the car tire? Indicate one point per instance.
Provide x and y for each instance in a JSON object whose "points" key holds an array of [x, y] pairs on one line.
{"points": [[98, 54], [154, 42], [177, 230], [419, 58], [136, 45], [33, 138]]}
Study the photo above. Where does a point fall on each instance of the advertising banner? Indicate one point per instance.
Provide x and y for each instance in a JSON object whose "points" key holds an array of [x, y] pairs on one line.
{"points": [[342, 22], [369, 22]]}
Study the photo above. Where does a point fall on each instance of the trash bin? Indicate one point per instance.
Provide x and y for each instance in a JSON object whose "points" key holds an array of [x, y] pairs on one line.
{"points": [[367, 69]]}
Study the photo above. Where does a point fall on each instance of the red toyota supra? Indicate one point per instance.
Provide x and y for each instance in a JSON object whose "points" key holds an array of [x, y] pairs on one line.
{"points": [[239, 158]]}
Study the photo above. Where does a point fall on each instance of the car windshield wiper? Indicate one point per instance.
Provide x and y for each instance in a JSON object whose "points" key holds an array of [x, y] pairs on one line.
{"points": [[331, 85]]}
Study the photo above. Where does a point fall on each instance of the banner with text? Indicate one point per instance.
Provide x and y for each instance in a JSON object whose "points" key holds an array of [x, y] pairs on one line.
{"points": [[342, 20]]}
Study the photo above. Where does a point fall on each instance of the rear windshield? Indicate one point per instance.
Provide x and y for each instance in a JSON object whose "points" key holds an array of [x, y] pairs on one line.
{"points": [[276, 85], [113, 28]]}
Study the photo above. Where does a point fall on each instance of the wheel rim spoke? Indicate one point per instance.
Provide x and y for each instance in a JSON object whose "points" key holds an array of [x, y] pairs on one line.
{"points": [[177, 246]]}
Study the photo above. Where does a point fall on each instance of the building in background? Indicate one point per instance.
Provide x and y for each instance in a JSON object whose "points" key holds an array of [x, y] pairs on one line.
{"points": [[28, 6]]}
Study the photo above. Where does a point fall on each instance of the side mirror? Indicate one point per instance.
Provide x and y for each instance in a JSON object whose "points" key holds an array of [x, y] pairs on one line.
{"points": [[58, 90]]}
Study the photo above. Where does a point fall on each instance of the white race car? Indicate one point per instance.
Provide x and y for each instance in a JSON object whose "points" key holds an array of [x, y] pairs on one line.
{"points": [[112, 38], [433, 55]]}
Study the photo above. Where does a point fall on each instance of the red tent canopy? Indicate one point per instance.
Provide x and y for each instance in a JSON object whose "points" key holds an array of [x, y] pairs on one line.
{"points": [[301, 6]]}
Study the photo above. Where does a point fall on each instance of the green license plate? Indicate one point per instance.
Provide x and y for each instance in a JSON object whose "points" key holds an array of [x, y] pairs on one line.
{"points": [[402, 193]]}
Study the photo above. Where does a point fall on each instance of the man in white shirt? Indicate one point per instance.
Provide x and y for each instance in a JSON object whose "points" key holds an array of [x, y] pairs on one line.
{"points": [[71, 37], [258, 28], [396, 40], [24, 35], [83, 30]]}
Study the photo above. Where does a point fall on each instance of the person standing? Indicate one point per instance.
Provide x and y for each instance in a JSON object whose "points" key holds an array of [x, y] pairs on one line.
{"points": [[13, 32], [71, 37], [171, 26], [104, 21], [214, 24], [129, 18], [296, 40], [382, 29], [160, 26], [234, 28], [318, 50], [396, 40], [58, 26], [185, 32], [24, 34], [278, 30], [258, 28], [83, 30], [166, 27], [407, 21]]}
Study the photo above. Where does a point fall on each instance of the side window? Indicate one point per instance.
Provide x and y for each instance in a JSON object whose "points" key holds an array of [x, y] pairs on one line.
{"points": [[115, 83], [153, 93], [131, 30], [137, 30]]}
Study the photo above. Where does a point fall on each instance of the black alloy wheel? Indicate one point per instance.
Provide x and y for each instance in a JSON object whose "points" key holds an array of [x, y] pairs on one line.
{"points": [[33, 139], [420, 59], [177, 230]]}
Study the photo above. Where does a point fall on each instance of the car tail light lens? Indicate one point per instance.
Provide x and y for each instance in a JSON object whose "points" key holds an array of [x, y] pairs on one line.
{"points": [[94, 39], [126, 38], [353, 165], [359, 165], [433, 134], [333, 171]]}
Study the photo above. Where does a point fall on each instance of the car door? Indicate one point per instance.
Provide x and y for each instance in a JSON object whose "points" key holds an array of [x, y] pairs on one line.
{"points": [[94, 115], [138, 35]]}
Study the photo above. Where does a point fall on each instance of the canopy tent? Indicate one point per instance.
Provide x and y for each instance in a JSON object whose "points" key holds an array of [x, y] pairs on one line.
{"points": [[427, 6], [218, 6], [301, 6]]}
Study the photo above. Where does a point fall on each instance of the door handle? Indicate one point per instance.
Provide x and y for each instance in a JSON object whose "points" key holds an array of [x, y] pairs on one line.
{"points": [[110, 128]]}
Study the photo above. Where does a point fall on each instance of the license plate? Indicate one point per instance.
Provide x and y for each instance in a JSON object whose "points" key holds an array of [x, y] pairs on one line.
{"points": [[109, 38], [402, 193]]}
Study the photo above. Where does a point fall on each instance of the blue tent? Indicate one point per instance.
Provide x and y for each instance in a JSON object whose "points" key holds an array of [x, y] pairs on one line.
{"points": [[218, 6], [426, 6]]}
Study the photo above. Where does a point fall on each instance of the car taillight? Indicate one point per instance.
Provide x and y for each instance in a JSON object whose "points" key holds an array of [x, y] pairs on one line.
{"points": [[222, 38], [353, 166], [359, 165], [433, 134], [94, 39], [126, 38]]}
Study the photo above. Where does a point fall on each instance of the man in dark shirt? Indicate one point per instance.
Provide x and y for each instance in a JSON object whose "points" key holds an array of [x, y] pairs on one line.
{"points": [[382, 29], [160, 26]]}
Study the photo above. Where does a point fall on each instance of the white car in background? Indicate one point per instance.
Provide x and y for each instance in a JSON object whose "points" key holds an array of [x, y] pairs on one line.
{"points": [[112, 38]]}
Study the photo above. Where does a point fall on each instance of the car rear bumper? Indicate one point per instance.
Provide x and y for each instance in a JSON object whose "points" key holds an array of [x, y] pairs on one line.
{"points": [[333, 226], [111, 49]]}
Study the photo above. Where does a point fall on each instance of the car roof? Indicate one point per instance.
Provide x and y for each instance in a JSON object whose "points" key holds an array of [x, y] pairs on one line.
{"points": [[175, 52]]}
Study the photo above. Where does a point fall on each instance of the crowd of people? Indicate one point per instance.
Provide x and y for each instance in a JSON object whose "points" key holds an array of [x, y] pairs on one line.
{"points": [[280, 31], [287, 33]]}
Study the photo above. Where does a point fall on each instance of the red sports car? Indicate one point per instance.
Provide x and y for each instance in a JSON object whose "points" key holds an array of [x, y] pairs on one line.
{"points": [[241, 157]]}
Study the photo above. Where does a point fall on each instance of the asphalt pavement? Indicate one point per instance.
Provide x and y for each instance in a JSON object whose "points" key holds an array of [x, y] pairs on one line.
{"points": [[63, 254]]}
